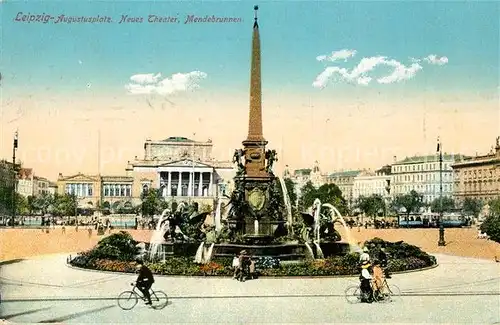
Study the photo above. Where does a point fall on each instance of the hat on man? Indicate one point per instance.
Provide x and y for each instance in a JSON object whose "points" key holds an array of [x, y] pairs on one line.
{"points": [[243, 252]]}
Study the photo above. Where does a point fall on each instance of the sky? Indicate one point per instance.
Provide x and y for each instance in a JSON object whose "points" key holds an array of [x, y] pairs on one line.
{"points": [[349, 84]]}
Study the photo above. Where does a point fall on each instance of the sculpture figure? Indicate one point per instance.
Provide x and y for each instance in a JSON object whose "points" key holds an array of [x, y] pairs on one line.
{"points": [[239, 154], [271, 157]]}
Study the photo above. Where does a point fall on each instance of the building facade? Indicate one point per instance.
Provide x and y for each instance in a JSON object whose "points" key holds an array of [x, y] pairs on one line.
{"points": [[300, 177], [92, 191], [345, 181], [478, 177], [41, 186], [181, 169], [25, 182], [368, 183], [422, 174]]}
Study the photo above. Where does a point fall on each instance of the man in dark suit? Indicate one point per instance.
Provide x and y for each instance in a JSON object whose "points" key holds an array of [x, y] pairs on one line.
{"points": [[145, 280]]}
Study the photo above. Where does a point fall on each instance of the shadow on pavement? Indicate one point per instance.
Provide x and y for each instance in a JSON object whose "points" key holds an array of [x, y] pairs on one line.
{"points": [[23, 313], [12, 261], [75, 315]]}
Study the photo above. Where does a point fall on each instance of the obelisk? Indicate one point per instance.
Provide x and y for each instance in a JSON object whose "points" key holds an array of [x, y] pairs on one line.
{"points": [[255, 144]]}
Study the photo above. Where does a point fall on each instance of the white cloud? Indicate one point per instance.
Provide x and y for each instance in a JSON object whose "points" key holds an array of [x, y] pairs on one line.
{"points": [[360, 73], [400, 72], [154, 83], [337, 55], [146, 78], [434, 59]]}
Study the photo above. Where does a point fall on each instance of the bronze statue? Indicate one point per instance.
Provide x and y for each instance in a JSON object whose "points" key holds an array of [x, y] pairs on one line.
{"points": [[271, 157], [237, 158]]}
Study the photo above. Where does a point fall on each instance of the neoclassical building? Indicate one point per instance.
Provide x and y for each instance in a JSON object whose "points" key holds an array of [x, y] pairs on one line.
{"points": [[181, 169], [422, 174], [345, 181], [478, 177], [96, 190], [301, 176], [368, 183]]}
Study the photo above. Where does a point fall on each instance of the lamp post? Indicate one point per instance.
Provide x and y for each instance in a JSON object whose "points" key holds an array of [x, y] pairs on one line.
{"points": [[441, 241], [14, 177]]}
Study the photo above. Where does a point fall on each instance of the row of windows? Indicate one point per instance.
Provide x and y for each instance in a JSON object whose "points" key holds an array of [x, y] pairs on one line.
{"points": [[80, 189], [420, 188], [420, 167], [122, 190], [423, 177], [477, 173]]}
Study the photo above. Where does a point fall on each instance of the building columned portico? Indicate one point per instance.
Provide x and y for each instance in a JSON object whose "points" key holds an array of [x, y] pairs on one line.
{"points": [[181, 168], [176, 182]]}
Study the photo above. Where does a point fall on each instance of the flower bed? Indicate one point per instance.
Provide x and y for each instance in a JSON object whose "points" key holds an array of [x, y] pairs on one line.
{"points": [[109, 257]]}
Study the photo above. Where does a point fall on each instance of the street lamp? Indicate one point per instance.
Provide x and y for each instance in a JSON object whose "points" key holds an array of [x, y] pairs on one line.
{"points": [[14, 177], [441, 241]]}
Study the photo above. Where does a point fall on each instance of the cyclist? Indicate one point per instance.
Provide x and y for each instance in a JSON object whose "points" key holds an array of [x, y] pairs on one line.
{"points": [[145, 280], [383, 257], [365, 278]]}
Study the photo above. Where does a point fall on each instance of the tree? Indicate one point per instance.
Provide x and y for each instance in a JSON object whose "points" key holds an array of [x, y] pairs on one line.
{"points": [[44, 202], [326, 193], [495, 207], [151, 202], [31, 201], [472, 206], [21, 204], [491, 226], [7, 176], [412, 202], [371, 205], [443, 204], [64, 205]]}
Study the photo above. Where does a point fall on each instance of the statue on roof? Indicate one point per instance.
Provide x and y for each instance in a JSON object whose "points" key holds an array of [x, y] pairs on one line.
{"points": [[498, 141]]}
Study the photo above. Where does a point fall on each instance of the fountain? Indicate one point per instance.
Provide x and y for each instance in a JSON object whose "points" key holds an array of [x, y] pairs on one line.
{"points": [[217, 216], [352, 243], [157, 239], [319, 230], [286, 201], [259, 219]]}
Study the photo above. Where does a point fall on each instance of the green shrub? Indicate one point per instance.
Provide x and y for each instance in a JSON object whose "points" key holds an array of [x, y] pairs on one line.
{"points": [[116, 252], [120, 246], [491, 227]]}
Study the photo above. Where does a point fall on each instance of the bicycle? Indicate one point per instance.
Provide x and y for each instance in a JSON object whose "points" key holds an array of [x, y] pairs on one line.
{"points": [[129, 298], [386, 294]]}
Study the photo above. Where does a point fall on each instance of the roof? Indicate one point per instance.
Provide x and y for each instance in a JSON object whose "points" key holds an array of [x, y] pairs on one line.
{"points": [[303, 171], [25, 173], [430, 158], [479, 160], [117, 179], [347, 173], [177, 139]]}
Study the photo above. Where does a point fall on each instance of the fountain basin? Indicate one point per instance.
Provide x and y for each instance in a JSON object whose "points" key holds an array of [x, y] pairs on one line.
{"points": [[283, 252]]}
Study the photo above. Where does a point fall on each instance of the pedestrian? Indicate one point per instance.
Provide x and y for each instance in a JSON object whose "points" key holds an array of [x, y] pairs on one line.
{"points": [[236, 266]]}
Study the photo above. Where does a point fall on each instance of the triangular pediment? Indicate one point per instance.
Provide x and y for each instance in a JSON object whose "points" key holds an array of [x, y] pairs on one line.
{"points": [[79, 178], [185, 163]]}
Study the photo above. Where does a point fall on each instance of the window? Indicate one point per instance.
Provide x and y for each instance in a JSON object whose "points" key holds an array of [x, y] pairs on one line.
{"points": [[112, 190], [90, 190], [122, 190], [128, 191], [106, 190]]}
